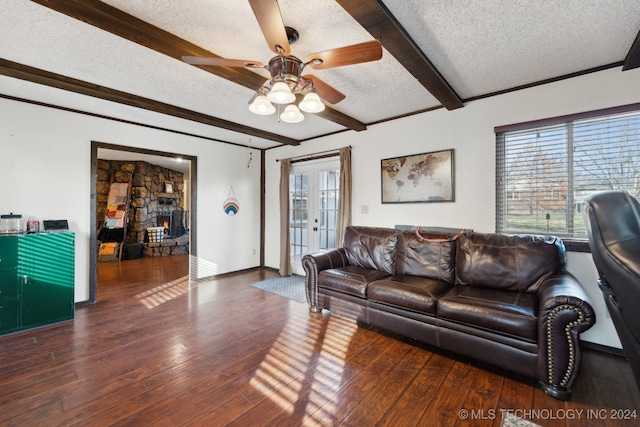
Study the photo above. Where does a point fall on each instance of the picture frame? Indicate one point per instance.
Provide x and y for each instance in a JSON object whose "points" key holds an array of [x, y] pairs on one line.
{"points": [[418, 178], [168, 187]]}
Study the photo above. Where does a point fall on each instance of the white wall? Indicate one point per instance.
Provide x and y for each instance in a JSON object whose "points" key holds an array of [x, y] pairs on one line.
{"points": [[470, 132], [46, 173]]}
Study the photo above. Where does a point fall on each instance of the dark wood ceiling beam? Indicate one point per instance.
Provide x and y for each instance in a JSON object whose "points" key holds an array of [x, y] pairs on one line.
{"points": [[633, 57], [36, 75], [374, 16], [115, 21], [341, 119]]}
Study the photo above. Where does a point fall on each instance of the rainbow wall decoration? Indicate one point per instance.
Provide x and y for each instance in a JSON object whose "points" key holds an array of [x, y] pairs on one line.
{"points": [[231, 206]]}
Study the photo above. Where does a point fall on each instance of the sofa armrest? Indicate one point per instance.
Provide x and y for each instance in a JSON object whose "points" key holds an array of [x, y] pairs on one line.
{"points": [[313, 264], [564, 311]]}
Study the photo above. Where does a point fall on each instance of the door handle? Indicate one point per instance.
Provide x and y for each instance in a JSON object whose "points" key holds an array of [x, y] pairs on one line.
{"points": [[315, 228]]}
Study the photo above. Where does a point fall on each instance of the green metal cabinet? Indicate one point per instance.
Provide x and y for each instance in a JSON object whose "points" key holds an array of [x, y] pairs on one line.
{"points": [[9, 285], [36, 280]]}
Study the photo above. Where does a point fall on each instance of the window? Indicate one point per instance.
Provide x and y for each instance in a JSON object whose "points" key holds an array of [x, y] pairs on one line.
{"points": [[552, 165]]}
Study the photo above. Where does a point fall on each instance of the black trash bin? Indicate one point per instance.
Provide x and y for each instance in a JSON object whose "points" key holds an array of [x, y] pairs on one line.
{"points": [[134, 250]]}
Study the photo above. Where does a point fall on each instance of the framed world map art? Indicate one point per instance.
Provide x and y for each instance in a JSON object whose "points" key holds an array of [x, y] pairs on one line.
{"points": [[420, 178]]}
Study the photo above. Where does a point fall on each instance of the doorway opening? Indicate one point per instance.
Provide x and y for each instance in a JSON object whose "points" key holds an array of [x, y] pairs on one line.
{"points": [[187, 221], [314, 193]]}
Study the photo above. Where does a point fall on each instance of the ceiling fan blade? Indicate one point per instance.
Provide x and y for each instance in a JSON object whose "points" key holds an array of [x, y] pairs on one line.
{"points": [[268, 14], [325, 91], [354, 54], [221, 62]]}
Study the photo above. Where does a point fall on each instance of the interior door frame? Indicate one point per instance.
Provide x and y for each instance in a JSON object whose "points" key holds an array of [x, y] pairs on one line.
{"points": [[93, 242]]}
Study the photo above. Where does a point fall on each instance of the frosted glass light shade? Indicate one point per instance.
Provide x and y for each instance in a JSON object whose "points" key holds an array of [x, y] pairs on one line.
{"points": [[262, 106], [311, 103], [281, 94], [291, 114]]}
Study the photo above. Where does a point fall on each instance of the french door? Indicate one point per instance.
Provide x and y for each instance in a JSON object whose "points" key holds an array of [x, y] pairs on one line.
{"points": [[314, 192]]}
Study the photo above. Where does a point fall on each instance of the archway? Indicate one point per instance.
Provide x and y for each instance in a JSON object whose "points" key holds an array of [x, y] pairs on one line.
{"points": [[188, 165]]}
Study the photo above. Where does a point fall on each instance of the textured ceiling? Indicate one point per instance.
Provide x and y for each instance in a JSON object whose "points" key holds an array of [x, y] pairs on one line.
{"points": [[487, 46], [478, 47]]}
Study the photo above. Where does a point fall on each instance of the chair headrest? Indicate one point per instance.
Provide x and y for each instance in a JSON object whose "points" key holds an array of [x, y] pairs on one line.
{"points": [[614, 216]]}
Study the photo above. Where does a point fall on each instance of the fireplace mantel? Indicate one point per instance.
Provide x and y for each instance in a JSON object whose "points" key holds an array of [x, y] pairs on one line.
{"points": [[167, 196]]}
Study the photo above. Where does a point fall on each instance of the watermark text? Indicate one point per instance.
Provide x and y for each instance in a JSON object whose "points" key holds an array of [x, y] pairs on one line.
{"points": [[550, 414]]}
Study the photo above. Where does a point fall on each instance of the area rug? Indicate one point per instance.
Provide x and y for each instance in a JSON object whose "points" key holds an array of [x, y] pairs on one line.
{"points": [[511, 420], [291, 287]]}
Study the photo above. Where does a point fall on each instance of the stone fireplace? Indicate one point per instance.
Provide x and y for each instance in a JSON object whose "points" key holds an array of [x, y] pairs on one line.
{"points": [[151, 205]]}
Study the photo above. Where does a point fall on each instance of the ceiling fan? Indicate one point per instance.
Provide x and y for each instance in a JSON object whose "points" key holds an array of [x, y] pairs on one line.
{"points": [[287, 79]]}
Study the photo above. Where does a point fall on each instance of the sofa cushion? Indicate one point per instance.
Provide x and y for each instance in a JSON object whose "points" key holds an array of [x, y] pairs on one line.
{"points": [[350, 279], [516, 263], [414, 293], [421, 256], [373, 248], [505, 312]]}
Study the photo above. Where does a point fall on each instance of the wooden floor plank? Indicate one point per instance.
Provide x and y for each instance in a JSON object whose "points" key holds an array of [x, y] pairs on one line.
{"points": [[160, 350], [389, 389], [444, 409], [410, 407], [482, 401]]}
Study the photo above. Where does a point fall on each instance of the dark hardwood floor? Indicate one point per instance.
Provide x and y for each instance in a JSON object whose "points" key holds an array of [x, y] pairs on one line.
{"points": [[159, 350]]}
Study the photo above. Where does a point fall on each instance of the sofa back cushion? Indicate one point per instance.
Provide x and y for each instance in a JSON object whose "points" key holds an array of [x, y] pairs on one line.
{"points": [[422, 256], [371, 247], [516, 263]]}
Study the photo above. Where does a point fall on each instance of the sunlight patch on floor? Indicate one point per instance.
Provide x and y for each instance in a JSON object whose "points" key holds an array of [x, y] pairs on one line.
{"points": [[165, 292], [283, 376], [321, 404]]}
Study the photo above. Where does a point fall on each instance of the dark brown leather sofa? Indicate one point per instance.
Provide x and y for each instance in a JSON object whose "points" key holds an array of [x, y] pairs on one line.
{"points": [[505, 300]]}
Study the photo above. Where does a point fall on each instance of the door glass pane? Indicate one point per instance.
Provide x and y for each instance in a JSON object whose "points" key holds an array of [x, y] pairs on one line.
{"points": [[323, 238], [328, 207], [298, 216], [331, 218]]}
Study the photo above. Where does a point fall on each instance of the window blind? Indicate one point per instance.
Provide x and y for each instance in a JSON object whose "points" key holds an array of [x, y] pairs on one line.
{"points": [[545, 169]]}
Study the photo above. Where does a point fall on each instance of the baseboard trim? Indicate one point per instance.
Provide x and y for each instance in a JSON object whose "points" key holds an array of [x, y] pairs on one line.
{"points": [[603, 348], [230, 273]]}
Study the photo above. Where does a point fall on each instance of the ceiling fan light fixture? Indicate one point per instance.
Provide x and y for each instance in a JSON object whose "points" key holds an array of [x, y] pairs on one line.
{"points": [[262, 106], [281, 94], [291, 114], [311, 103]]}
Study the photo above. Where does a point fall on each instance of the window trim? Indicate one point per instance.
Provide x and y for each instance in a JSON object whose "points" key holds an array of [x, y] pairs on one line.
{"points": [[566, 118]]}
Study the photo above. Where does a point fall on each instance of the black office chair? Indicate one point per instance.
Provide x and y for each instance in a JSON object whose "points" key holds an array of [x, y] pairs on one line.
{"points": [[612, 219]]}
